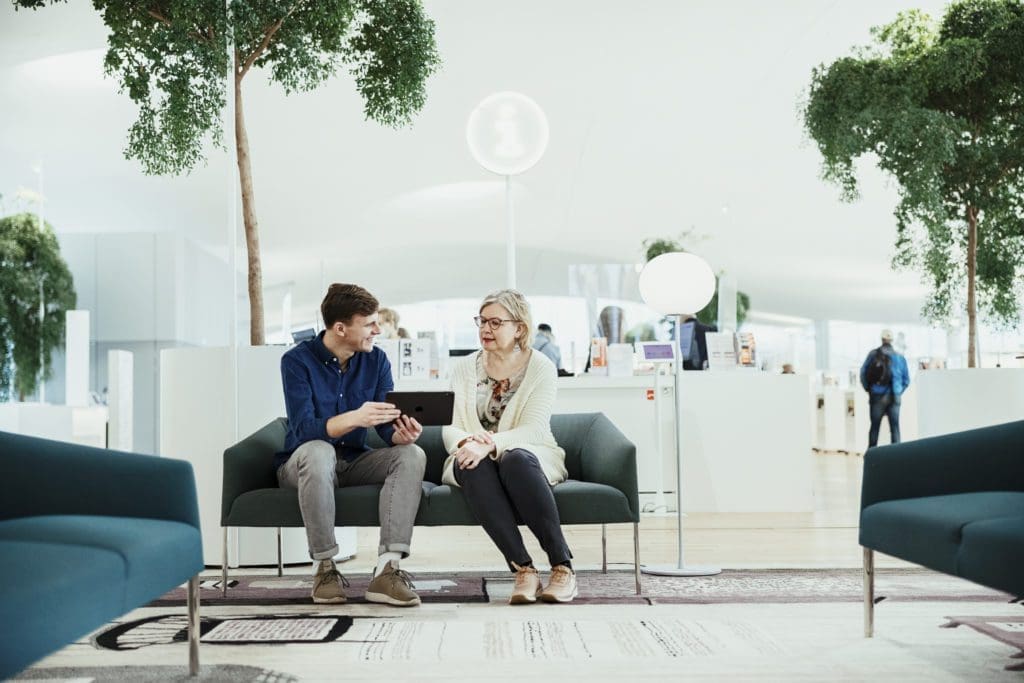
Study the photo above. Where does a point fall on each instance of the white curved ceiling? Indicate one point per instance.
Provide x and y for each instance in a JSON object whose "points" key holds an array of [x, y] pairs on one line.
{"points": [[665, 116]]}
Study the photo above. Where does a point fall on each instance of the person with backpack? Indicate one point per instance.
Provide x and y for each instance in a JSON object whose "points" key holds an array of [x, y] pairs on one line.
{"points": [[885, 377]]}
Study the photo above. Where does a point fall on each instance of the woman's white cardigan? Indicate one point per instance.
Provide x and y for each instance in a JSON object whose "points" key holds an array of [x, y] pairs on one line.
{"points": [[525, 423]]}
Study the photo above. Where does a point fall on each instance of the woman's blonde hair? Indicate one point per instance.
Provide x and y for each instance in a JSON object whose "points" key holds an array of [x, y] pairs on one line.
{"points": [[518, 307]]}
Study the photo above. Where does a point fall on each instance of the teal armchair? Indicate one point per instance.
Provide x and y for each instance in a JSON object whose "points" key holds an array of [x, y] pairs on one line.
{"points": [[952, 503], [86, 535]]}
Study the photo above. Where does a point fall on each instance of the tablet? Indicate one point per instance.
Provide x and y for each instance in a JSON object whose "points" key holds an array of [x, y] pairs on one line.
{"points": [[427, 407]]}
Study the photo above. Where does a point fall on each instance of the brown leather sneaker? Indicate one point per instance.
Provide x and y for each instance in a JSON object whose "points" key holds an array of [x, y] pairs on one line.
{"points": [[328, 584], [392, 587], [527, 586], [561, 586]]}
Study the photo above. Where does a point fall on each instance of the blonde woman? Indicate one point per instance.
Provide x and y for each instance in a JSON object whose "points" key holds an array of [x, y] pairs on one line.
{"points": [[501, 450]]}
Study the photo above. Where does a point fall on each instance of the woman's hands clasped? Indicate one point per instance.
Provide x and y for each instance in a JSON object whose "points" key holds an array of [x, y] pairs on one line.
{"points": [[476, 448]]}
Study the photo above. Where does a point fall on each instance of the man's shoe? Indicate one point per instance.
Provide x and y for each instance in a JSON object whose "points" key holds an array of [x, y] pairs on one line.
{"points": [[328, 584], [392, 587], [527, 586], [561, 586]]}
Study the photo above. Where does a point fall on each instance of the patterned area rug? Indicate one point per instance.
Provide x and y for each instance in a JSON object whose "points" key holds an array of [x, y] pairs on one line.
{"points": [[295, 590], [618, 587], [779, 585]]}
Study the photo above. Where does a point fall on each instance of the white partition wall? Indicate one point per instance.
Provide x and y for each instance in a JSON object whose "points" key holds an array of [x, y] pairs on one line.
{"points": [[199, 407], [954, 400]]}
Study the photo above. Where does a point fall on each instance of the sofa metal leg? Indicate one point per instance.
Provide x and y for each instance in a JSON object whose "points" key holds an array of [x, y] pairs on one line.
{"points": [[636, 555], [280, 562], [224, 564], [604, 548], [193, 626], [869, 592]]}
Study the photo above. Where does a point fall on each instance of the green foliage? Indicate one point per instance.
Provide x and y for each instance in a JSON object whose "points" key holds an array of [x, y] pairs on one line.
{"points": [[171, 58], [709, 314], [940, 108], [29, 255]]}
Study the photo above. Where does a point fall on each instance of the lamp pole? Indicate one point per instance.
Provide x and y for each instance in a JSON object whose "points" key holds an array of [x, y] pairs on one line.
{"points": [[507, 134], [510, 236], [673, 284], [42, 296]]}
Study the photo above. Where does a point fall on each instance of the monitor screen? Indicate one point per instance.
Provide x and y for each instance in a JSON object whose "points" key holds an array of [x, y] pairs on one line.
{"points": [[303, 335], [460, 352]]}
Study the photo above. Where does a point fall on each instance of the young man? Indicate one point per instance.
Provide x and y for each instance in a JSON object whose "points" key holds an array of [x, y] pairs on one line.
{"points": [[334, 389]]}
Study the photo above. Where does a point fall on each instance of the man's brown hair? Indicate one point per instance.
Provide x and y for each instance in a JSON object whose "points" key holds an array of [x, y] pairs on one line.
{"points": [[344, 301]]}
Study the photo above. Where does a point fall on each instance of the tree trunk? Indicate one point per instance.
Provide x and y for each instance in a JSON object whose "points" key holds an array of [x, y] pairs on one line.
{"points": [[972, 270], [252, 238]]}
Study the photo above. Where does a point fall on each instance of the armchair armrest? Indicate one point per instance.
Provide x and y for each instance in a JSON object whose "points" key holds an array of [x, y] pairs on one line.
{"points": [[43, 477], [249, 464], [608, 457], [986, 459]]}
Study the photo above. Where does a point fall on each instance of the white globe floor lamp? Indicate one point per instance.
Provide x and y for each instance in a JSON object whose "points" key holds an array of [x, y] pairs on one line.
{"points": [[507, 134], [678, 285]]}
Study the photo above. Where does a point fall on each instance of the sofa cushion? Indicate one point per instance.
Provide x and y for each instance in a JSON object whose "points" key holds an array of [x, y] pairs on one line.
{"points": [[992, 553], [446, 505], [153, 550], [928, 531], [582, 502], [52, 594], [354, 506]]}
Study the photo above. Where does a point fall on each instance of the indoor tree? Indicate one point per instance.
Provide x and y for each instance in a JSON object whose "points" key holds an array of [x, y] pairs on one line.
{"points": [[31, 270], [940, 109], [171, 57]]}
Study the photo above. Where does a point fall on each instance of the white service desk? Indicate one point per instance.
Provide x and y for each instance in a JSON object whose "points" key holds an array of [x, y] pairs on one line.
{"points": [[85, 425], [746, 435]]}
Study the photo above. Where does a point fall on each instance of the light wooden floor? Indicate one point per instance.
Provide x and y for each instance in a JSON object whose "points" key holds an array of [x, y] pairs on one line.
{"points": [[826, 537]]}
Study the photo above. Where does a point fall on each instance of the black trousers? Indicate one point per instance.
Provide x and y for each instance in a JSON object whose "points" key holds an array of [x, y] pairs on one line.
{"points": [[502, 492]]}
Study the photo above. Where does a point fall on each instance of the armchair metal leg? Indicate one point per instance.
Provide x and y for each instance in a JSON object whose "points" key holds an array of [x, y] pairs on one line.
{"points": [[193, 626], [224, 564], [280, 563], [869, 592], [604, 548], [636, 555]]}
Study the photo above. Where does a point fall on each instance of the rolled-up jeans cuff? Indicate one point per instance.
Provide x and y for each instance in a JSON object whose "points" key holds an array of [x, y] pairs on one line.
{"points": [[394, 548], [326, 554]]}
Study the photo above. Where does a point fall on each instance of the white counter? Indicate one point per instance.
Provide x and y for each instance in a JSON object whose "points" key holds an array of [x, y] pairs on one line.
{"points": [[85, 425], [746, 435]]}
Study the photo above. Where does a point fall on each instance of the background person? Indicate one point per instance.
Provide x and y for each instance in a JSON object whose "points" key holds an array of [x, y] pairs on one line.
{"points": [[502, 452], [545, 343], [884, 375]]}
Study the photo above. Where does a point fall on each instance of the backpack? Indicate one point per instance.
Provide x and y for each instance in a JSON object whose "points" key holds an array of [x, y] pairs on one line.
{"points": [[879, 369]]}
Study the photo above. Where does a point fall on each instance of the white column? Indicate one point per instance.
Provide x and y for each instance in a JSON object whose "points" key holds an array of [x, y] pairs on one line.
{"points": [[121, 399], [76, 371]]}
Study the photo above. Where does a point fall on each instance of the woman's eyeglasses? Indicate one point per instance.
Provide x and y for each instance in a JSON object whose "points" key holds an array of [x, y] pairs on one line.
{"points": [[493, 323]]}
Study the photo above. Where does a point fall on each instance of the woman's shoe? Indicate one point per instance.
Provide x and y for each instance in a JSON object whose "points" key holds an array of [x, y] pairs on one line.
{"points": [[527, 586]]}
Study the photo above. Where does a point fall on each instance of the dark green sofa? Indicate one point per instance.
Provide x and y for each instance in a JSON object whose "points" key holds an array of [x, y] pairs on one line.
{"points": [[601, 489], [952, 503], [86, 535]]}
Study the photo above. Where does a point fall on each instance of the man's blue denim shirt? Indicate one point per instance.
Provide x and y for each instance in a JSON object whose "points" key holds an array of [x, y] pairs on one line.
{"points": [[315, 390]]}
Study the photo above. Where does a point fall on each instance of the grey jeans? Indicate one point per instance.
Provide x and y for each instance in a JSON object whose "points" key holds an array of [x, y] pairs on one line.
{"points": [[316, 470]]}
